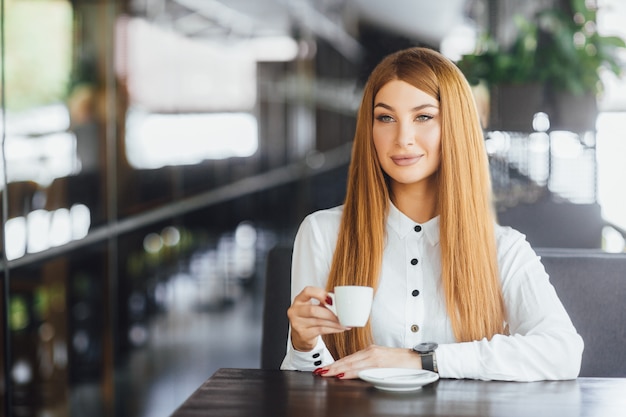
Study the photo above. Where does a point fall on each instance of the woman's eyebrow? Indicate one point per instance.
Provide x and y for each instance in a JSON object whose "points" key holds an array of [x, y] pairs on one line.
{"points": [[416, 108]]}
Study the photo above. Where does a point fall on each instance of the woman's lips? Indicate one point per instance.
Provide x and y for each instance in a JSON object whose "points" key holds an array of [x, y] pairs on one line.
{"points": [[406, 159]]}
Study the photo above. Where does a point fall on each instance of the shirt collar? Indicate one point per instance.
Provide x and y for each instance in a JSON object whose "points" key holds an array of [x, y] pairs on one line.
{"points": [[402, 225]]}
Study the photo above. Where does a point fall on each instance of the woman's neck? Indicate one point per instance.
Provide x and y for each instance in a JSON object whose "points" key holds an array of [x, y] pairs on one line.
{"points": [[416, 201]]}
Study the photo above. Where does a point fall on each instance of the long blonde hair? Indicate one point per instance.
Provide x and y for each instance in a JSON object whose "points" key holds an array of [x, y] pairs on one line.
{"points": [[469, 270]]}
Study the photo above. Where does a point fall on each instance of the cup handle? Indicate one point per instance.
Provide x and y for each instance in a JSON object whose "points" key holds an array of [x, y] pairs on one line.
{"points": [[331, 307]]}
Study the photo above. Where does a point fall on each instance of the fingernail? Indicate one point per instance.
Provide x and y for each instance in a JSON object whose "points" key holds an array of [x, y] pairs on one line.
{"points": [[339, 376], [317, 371], [322, 372], [329, 301]]}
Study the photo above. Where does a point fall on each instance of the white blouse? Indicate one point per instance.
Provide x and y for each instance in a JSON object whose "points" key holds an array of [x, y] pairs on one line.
{"points": [[409, 305]]}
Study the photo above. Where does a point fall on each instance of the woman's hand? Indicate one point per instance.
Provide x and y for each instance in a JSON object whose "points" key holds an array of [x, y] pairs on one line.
{"points": [[309, 320], [371, 357]]}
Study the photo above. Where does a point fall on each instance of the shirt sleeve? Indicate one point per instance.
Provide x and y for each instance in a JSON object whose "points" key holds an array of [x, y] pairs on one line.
{"points": [[312, 255], [543, 343], [306, 361]]}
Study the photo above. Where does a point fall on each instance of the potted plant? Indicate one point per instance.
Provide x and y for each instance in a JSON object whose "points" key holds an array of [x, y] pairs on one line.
{"points": [[555, 65], [510, 75], [571, 55]]}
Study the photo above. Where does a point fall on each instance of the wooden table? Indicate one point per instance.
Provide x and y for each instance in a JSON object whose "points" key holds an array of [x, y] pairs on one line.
{"points": [[272, 393]]}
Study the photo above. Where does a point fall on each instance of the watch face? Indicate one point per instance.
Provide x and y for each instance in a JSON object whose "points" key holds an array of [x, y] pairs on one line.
{"points": [[425, 347]]}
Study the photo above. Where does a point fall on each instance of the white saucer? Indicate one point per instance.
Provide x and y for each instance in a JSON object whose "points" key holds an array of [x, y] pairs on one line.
{"points": [[398, 379]]}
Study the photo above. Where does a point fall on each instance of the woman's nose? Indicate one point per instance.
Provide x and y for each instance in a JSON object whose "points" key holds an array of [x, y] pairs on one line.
{"points": [[405, 135]]}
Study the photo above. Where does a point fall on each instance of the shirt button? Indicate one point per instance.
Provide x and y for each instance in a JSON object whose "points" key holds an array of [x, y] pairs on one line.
{"points": [[415, 293], [418, 228], [317, 363], [415, 328], [414, 261], [316, 355]]}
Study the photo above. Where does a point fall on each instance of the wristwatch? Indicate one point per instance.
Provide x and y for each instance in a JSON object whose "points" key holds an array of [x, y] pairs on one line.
{"points": [[427, 352]]}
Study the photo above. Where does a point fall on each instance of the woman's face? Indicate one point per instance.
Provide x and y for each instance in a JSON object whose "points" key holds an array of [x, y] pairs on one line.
{"points": [[407, 133]]}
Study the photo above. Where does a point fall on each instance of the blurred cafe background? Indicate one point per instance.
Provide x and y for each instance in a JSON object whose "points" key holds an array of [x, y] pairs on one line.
{"points": [[155, 151]]}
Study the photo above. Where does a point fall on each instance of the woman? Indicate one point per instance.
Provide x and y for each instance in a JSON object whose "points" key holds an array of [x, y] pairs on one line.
{"points": [[418, 226]]}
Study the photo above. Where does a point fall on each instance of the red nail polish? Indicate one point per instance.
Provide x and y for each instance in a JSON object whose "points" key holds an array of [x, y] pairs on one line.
{"points": [[322, 372], [329, 301], [341, 375], [317, 371]]}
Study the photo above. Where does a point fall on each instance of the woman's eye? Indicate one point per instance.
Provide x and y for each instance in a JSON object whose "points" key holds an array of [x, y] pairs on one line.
{"points": [[423, 117], [384, 118]]}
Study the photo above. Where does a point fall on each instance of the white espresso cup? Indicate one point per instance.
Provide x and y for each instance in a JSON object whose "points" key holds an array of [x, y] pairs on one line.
{"points": [[352, 304]]}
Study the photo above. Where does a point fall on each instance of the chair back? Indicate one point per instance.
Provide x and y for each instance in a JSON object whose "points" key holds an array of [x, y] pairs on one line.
{"points": [[277, 299], [592, 287]]}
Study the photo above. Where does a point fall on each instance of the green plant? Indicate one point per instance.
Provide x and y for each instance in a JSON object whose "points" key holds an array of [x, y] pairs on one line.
{"points": [[560, 49], [493, 65], [571, 53]]}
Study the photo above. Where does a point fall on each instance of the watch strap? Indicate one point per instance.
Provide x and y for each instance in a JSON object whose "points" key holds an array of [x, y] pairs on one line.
{"points": [[429, 362]]}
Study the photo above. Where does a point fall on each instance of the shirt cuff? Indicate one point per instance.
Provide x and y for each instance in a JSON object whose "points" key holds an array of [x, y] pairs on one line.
{"points": [[457, 360], [307, 361]]}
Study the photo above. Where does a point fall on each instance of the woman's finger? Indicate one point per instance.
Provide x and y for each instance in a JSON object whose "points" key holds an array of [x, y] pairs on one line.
{"points": [[372, 357], [312, 293], [309, 318]]}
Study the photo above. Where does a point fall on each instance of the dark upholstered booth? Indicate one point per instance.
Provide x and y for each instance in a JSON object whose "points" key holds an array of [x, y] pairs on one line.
{"points": [[591, 285], [277, 301]]}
